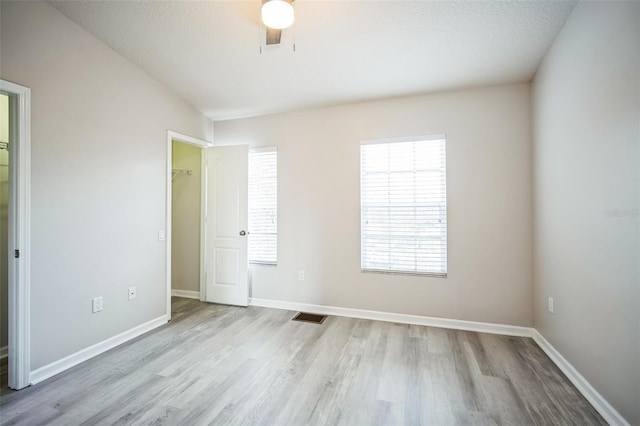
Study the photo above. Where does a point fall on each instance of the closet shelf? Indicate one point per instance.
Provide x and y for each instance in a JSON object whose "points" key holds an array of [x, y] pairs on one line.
{"points": [[176, 172]]}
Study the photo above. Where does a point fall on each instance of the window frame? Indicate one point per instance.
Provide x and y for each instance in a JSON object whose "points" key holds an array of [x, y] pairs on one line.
{"points": [[263, 262], [387, 141]]}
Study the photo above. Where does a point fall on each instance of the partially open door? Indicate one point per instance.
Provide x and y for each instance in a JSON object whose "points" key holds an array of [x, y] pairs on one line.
{"points": [[226, 225]]}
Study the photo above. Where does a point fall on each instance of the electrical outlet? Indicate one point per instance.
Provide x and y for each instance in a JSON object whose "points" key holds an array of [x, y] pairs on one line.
{"points": [[552, 307], [96, 305], [132, 293], [300, 275], [161, 235]]}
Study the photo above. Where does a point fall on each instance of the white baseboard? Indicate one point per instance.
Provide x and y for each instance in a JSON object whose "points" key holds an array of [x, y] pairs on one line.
{"points": [[186, 293], [4, 352], [605, 409], [481, 327], [72, 360]]}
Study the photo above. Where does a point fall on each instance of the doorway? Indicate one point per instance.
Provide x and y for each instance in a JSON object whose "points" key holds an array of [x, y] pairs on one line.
{"points": [[186, 210], [15, 219], [223, 266]]}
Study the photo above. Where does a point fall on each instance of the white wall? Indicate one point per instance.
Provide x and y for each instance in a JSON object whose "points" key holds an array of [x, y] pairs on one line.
{"points": [[99, 131], [489, 204], [586, 155], [185, 218]]}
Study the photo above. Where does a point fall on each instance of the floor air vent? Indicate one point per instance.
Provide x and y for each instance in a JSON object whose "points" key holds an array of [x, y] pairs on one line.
{"points": [[307, 317]]}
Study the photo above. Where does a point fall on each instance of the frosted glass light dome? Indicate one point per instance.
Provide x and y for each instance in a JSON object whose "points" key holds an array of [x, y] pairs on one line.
{"points": [[277, 14]]}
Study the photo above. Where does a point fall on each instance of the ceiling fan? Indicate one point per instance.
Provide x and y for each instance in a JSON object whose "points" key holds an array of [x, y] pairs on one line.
{"points": [[276, 16]]}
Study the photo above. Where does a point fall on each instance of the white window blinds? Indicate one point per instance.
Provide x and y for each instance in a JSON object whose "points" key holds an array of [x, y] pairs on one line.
{"points": [[403, 200], [263, 205]]}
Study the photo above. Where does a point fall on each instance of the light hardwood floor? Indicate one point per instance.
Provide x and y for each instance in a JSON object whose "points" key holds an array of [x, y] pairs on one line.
{"points": [[4, 377], [225, 365]]}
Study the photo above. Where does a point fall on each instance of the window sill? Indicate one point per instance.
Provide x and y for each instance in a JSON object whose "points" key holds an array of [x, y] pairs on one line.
{"points": [[255, 263], [391, 272]]}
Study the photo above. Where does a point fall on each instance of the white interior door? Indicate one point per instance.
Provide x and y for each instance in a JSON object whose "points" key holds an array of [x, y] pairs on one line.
{"points": [[226, 240]]}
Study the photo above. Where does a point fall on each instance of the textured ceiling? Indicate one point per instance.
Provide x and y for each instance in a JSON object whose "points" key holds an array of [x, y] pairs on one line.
{"points": [[209, 51]]}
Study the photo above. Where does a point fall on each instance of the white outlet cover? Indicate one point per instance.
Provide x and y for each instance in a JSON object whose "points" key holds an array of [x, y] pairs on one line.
{"points": [[96, 304]]}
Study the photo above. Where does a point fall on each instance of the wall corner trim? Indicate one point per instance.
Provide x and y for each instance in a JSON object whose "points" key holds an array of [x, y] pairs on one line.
{"points": [[74, 359], [480, 327], [188, 294], [601, 405]]}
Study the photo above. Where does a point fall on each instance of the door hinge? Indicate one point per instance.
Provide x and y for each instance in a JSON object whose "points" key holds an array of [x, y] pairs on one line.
{"points": [[16, 253]]}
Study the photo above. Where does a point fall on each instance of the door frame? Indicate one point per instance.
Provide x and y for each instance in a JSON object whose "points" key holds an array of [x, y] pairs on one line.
{"points": [[203, 145], [20, 239]]}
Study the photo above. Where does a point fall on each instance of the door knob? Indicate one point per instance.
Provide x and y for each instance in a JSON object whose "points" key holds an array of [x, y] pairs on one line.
{"points": [[242, 233]]}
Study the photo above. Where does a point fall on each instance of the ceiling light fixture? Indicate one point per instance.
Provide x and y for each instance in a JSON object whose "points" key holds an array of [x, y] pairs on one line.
{"points": [[277, 14]]}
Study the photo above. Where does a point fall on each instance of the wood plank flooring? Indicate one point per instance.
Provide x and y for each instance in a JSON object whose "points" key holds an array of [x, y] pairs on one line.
{"points": [[4, 376], [225, 365]]}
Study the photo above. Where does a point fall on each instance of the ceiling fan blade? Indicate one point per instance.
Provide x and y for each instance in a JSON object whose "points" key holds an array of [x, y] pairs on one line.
{"points": [[273, 36]]}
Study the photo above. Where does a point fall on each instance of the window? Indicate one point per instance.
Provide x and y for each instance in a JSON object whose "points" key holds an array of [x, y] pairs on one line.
{"points": [[263, 206], [404, 206]]}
